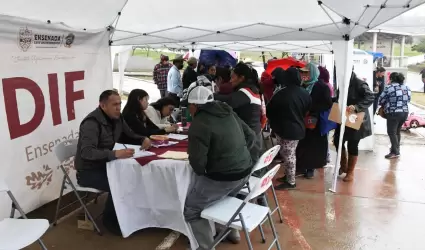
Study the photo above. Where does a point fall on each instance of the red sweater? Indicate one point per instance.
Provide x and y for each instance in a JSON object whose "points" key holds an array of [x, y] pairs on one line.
{"points": [[268, 85]]}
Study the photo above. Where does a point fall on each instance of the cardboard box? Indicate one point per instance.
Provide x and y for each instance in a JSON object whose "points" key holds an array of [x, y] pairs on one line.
{"points": [[354, 120]]}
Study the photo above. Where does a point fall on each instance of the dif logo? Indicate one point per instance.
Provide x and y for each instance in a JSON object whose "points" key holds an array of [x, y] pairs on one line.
{"points": [[11, 85]]}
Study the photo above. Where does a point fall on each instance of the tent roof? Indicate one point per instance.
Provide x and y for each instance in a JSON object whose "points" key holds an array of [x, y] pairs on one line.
{"points": [[234, 25], [187, 21]]}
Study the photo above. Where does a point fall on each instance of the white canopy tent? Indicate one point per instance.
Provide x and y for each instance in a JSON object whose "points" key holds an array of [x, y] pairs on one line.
{"points": [[234, 25]]}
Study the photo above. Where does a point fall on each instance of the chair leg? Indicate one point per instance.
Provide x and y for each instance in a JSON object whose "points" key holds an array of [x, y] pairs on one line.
{"points": [[274, 231], [40, 242], [279, 211], [59, 202], [263, 237], [95, 199], [84, 206], [248, 240]]}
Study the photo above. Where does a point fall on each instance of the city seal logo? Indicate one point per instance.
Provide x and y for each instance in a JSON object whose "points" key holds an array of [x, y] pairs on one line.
{"points": [[25, 39], [69, 40]]}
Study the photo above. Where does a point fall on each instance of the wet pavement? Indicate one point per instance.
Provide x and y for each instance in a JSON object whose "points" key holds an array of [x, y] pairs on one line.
{"points": [[382, 209]]}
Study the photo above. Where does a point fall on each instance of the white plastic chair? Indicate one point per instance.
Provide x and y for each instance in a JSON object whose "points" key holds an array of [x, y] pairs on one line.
{"points": [[242, 215], [265, 160], [64, 151], [20, 233]]}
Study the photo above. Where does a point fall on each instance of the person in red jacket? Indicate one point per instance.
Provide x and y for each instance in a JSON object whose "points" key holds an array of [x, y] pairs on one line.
{"points": [[268, 85]]}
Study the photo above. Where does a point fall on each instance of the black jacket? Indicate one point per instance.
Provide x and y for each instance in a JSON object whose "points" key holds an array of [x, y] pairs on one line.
{"points": [[246, 102], [288, 106], [141, 125], [97, 137], [359, 95], [220, 143], [189, 76], [378, 82]]}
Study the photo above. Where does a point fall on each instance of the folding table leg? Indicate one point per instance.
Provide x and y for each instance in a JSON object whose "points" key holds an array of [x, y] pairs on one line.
{"points": [[274, 231], [248, 240], [277, 204], [59, 202]]}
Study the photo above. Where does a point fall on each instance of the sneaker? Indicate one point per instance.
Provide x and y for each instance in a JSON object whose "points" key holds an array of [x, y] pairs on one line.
{"points": [[282, 179], [392, 156], [285, 185], [309, 174]]}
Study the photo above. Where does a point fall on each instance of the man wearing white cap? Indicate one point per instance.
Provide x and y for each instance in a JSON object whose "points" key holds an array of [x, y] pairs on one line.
{"points": [[219, 144]]}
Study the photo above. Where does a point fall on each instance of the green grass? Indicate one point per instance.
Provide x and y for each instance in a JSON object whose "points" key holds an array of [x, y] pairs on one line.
{"points": [[417, 67], [419, 98]]}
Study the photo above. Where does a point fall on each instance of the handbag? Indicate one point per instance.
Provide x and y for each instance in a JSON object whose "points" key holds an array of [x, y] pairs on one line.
{"points": [[326, 125], [381, 112], [310, 121]]}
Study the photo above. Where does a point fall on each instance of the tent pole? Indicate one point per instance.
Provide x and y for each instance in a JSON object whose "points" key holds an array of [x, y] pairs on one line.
{"points": [[347, 67]]}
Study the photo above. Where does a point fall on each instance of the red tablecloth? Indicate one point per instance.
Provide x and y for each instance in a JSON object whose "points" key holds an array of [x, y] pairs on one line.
{"points": [[181, 146]]}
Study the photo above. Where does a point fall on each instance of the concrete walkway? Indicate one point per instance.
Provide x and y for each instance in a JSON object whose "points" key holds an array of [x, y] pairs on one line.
{"points": [[382, 209]]}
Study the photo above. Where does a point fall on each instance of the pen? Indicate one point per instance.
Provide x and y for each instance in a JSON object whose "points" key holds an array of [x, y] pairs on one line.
{"points": [[124, 146]]}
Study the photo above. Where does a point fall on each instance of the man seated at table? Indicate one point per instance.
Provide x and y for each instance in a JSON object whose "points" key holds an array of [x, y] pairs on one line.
{"points": [[219, 143], [99, 132]]}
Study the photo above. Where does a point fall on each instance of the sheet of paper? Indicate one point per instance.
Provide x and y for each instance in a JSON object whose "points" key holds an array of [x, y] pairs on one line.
{"points": [[175, 155], [178, 137], [137, 151], [169, 143]]}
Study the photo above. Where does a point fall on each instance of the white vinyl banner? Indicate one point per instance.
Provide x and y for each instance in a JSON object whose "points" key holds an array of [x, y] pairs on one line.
{"points": [[51, 78]]}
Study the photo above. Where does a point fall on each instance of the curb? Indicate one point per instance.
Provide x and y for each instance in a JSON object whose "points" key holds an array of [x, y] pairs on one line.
{"points": [[417, 105]]}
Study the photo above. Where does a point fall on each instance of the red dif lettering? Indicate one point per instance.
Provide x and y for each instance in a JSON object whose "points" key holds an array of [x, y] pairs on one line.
{"points": [[268, 159], [266, 181], [10, 85]]}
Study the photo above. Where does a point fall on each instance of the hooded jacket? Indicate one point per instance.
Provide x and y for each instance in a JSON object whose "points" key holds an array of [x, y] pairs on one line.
{"points": [[246, 102], [289, 105], [220, 143]]}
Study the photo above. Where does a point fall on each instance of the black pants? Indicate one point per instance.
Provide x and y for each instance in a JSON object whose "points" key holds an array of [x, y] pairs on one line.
{"points": [[175, 98], [162, 92], [394, 123], [352, 146], [98, 179]]}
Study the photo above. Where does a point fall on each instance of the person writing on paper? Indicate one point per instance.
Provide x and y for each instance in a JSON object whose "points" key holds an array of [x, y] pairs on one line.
{"points": [[134, 115], [159, 112], [99, 131], [219, 153], [359, 99]]}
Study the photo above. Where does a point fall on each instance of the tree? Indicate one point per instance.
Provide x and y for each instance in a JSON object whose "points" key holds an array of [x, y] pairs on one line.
{"points": [[420, 47]]}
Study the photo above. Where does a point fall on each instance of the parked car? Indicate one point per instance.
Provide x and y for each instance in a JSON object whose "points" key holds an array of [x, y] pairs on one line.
{"points": [[414, 121]]}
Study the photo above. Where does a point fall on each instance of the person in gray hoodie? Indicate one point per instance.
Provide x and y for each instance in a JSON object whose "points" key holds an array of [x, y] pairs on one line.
{"points": [[219, 153], [99, 131]]}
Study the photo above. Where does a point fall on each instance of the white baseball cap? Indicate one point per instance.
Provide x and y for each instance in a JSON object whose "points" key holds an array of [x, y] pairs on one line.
{"points": [[200, 95]]}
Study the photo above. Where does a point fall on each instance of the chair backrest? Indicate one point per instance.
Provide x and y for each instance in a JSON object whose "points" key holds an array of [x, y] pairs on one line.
{"points": [[66, 150], [266, 158], [3, 186], [264, 183]]}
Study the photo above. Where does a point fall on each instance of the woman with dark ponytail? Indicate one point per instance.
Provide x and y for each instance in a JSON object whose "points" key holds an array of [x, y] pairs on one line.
{"points": [[394, 102]]}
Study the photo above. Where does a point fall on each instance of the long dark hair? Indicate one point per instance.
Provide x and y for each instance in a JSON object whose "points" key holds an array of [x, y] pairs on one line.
{"points": [[133, 103], [397, 77], [165, 101]]}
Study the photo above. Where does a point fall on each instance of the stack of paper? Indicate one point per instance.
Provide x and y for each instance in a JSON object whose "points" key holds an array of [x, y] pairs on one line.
{"points": [[137, 151], [175, 155], [165, 144], [178, 137]]}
